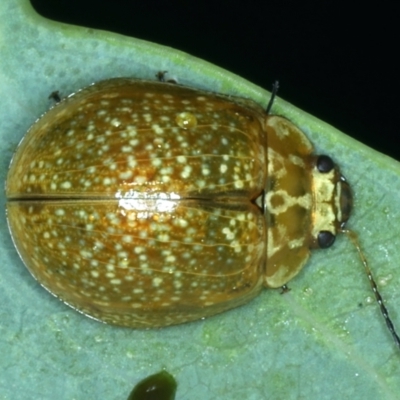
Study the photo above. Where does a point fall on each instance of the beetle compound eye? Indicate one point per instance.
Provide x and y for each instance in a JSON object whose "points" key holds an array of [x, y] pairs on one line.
{"points": [[325, 164], [326, 239]]}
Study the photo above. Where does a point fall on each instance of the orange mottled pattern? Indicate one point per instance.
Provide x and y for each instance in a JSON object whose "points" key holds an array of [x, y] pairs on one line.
{"points": [[131, 218]]}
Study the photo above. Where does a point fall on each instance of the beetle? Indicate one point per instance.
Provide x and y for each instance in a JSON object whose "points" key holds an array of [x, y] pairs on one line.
{"points": [[148, 204]]}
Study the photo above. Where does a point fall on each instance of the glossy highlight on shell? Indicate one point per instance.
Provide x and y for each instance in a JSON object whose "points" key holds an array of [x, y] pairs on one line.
{"points": [[147, 204]]}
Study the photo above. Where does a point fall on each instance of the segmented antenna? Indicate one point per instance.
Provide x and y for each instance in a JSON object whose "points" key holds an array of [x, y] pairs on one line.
{"points": [[274, 91], [354, 238]]}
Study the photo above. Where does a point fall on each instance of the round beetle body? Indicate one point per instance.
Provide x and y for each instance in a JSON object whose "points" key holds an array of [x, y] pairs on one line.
{"points": [[147, 204]]}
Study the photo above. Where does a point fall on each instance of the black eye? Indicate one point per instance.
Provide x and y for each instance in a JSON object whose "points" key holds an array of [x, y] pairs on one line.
{"points": [[325, 164], [326, 239]]}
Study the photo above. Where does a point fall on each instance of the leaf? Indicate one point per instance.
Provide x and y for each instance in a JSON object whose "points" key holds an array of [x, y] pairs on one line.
{"points": [[323, 338]]}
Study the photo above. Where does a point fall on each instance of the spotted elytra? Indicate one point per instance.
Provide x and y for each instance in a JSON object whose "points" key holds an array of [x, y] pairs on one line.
{"points": [[147, 204]]}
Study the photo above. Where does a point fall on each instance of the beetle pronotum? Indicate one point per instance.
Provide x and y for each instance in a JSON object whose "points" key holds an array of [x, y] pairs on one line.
{"points": [[147, 204]]}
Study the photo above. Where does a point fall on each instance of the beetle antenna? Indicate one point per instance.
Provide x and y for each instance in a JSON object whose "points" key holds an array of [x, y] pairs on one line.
{"points": [[353, 237], [274, 91]]}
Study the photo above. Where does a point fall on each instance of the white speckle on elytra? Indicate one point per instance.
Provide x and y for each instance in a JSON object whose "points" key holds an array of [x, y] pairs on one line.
{"points": [[134, 142], [181, 222], [122, 254], [127, 239], [126, 175], [157, 282], [140, 179], [94, 273], [82, 214], [241, 217], [157, 129], [126, 149], [115, 122], [110, 267], [186, 172], [132, 132], [228, 233], [166, 171], [132, 163], [239, 184], [66, 185], [163, 237], [86, 254]]}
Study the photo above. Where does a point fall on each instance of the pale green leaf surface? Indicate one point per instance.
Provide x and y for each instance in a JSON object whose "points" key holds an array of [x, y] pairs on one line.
{"points": [[325, 339]]}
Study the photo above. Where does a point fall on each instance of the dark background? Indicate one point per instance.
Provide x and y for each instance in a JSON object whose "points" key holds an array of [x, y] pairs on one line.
{"points": [[337, 63]]}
